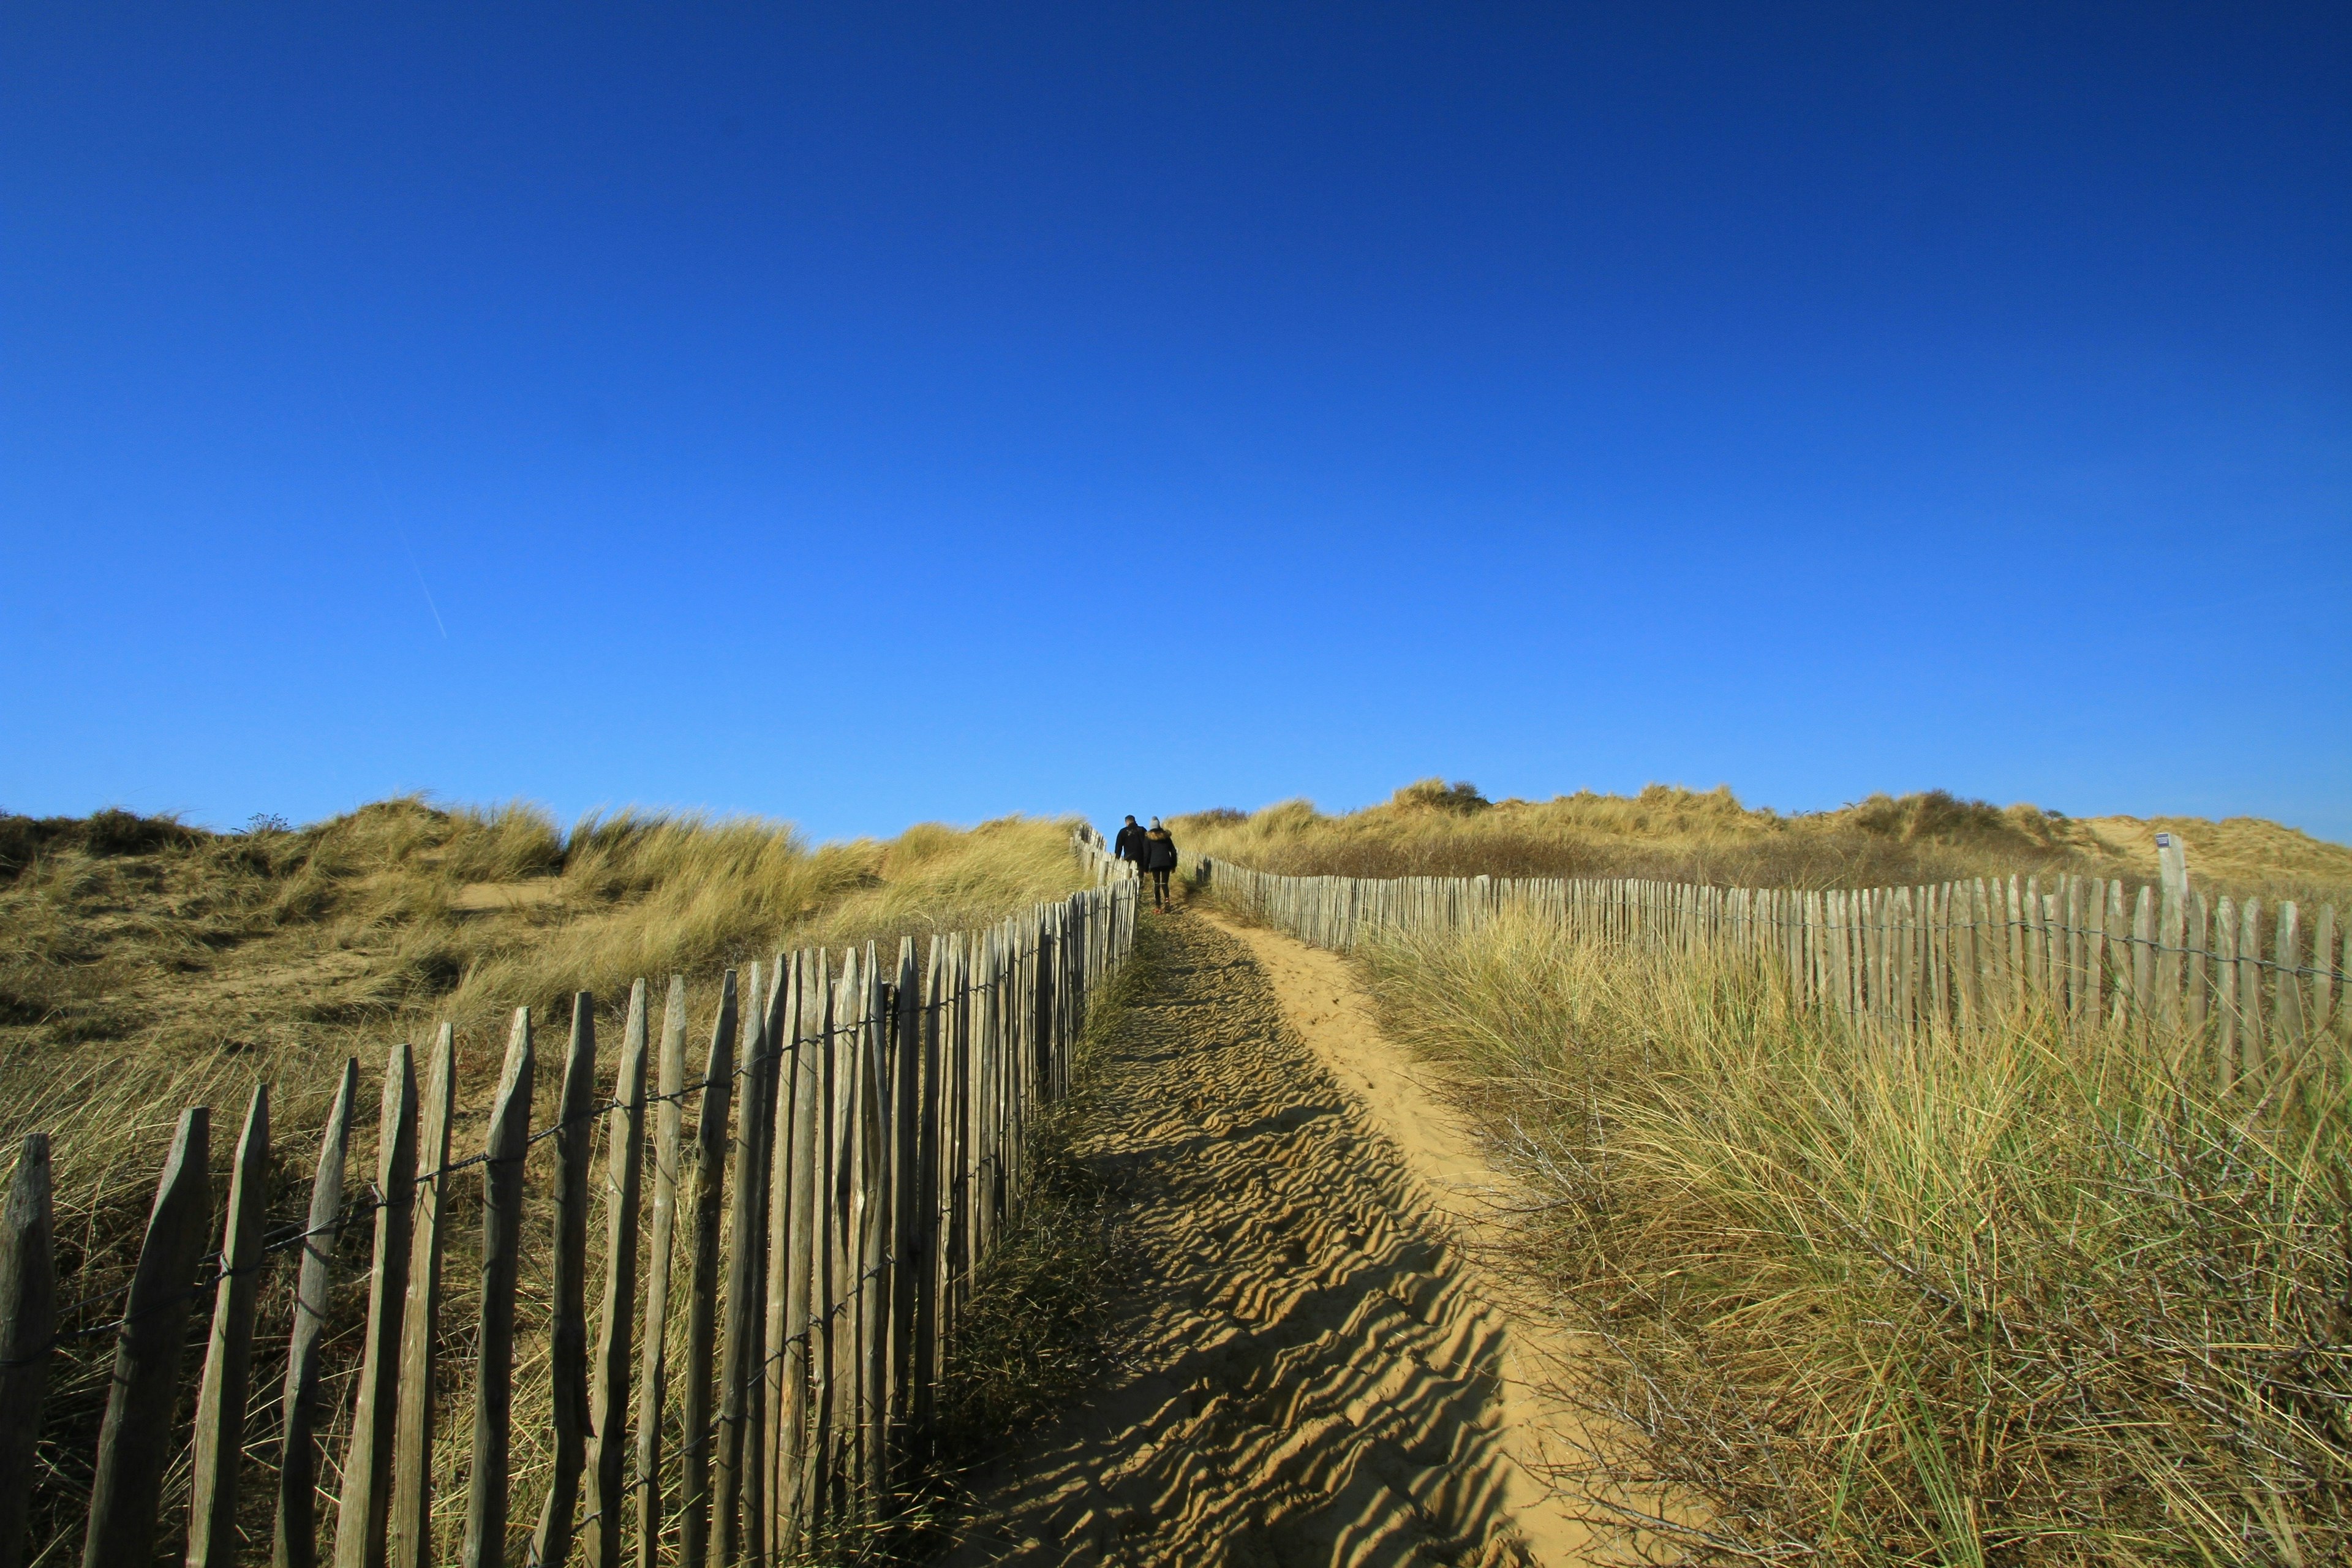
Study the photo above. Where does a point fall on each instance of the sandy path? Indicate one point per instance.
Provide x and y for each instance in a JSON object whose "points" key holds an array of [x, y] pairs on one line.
{"points": [[1311, 1374], [1462, 1193]]}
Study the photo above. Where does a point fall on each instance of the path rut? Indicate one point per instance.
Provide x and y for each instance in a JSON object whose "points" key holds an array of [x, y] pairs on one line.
{"points": [[1309, 1374]]}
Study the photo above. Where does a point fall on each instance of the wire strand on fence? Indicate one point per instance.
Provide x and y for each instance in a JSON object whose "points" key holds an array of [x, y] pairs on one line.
{"points": [[1500, 890], [1015, 964]]}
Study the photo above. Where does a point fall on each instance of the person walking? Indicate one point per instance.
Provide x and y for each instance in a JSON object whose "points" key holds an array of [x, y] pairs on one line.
{"points": [[1128, 845], [1159, 861]]}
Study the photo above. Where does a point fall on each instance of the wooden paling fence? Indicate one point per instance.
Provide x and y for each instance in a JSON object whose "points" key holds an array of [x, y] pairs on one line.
{"points": [[879, 1115], [2256, 987]]}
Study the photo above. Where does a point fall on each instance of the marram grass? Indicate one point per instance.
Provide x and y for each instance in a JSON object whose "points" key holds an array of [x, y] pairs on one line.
{"points": [[145, 966], [2021, 1295], [1668, 833]]}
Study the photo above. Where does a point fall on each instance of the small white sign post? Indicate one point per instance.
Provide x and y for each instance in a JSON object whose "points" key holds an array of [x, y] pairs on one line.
{"points": [[2172, 865]]}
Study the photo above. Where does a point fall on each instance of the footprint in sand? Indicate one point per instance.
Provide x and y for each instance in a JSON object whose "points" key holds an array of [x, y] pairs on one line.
{"points": [[1310, 1378]]}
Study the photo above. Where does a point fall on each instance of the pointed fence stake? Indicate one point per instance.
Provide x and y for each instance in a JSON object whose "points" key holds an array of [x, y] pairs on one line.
{"points": [[651, 1390], [608, 1390], [484, 1544], [366, 1501], [28, 1316], [228, 1359], [410, 1530], [702, 1300], [567, 1358], [134, 1443], [295, 1536]]}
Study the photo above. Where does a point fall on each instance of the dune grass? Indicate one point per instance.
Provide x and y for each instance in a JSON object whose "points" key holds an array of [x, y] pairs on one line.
{"points": [[138, 970], [145, 966], [1434, 830], [2023, 1297]]}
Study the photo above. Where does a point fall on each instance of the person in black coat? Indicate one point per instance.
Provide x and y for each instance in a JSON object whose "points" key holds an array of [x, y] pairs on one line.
{"points": [[1128, 845], [1159, 861]]}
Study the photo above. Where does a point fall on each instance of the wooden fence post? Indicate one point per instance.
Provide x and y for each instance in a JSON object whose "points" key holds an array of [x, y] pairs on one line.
{"points": [[930, 1135], [798, 1161], [738, 1349], [955, 1142], [978, 1091], [1967, 914], [856, 1108], [906, 1268], [2323, 963], [652, 1392], [2037, 944], [756, 1451], [841, 1319], [228, 1357], [2286, 1009], [702, 1300], [2198, 937], [410, 1530], [28, 1312], [295, 1538], [134, 1441], [2070, 918], [874, 1237], [817, 1501], [783, 1035], [567, 1337], [2118, 943], [2252, 1056], [2095, 925], [2143, 952], [2229, 1069], [2171, 925], [509, 1141], [364, 1504], [609, 1386]]}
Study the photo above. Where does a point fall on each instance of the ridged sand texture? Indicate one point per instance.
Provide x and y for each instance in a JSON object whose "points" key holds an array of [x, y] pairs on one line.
{"points": [[1313, 1374]]}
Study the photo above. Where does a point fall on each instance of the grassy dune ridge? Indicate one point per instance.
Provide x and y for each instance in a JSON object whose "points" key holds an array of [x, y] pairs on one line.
{"points": [[145, 961], [2022, 1296], [147, 966], [1671, 834]]}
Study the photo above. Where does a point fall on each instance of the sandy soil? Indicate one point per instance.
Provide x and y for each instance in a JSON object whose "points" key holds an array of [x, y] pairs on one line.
{"points": [[1313, 1373], [1463, 1195]]}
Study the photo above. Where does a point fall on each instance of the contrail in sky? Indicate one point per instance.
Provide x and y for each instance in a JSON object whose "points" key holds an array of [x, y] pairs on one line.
{"points": [[383, 491], [412, 566], [392, 513]]}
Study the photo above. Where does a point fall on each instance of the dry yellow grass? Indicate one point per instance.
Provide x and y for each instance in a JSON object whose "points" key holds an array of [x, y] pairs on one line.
{"points": [[2019, 1296], [1671, 834], [2025, 1298], [141, 969], [145, 966]]}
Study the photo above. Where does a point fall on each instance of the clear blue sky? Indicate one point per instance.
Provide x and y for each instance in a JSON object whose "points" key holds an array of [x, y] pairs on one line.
{"points": [[869, 414]]}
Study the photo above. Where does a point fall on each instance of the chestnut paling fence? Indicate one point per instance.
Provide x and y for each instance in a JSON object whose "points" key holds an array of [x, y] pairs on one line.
{"points": [[879, 1118], [2243, 989]]}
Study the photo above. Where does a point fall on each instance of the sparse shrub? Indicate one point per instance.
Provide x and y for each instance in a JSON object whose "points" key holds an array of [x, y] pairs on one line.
{"points": [[20, 841], [112, 832], [115, 831], [1461, 798]]}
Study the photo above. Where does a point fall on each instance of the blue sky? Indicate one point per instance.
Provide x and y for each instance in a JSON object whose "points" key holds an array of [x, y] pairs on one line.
{"points": [[879, 413]]}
